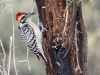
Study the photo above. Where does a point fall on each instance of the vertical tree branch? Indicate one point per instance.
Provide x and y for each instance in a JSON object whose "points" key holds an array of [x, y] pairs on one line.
{"points": [[29, 67], [60, 46], [16, 72], [77, 49], [9, 58]]}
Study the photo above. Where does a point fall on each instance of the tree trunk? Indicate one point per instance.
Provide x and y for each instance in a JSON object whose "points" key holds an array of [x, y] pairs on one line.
{"points": [[65, 43]]}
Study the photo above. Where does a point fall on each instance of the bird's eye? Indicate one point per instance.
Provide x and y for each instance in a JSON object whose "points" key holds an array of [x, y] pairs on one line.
{"points": [[23, 19]]}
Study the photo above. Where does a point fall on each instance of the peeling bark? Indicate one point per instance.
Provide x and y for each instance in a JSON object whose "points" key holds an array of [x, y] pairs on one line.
{"points": [[65, 43]]}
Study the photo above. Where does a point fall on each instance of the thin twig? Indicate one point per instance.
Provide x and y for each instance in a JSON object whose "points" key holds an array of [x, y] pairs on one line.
{"points": [[91, 0], [29, 67], [5, 3], [27, 60], [9, 58], [1, 72], [32, 7], [23, 61], [77, 49], [1, 54], [4, 53], [3, 8], [16, 72]]}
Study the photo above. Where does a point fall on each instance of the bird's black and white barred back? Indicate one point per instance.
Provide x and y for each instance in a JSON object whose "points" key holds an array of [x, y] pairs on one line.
{"points": [[29, 37]]}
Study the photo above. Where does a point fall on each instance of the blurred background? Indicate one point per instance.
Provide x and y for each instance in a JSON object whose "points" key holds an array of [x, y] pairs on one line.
{"points": [[91, 15]]}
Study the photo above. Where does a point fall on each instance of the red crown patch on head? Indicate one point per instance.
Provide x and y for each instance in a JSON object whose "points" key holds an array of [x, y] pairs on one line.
{"points": [[19, 15]]}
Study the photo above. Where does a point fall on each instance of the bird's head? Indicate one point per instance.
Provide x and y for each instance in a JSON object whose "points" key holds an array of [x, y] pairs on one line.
{"points": [[22, 17]]}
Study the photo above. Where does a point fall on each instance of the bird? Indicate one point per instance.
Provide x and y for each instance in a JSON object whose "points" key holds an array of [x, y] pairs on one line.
{"points": [[31, 33]]}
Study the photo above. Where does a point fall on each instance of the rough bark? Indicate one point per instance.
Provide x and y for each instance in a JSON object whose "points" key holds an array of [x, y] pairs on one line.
{"points": [[65, 43]]}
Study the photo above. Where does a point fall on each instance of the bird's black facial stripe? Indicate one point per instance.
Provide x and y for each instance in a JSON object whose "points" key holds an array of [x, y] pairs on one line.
{"points": [[23, 19]]}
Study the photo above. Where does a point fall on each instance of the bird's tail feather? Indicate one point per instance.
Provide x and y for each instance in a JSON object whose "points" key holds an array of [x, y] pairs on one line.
{"points": [[43, 56], [38, 57]]}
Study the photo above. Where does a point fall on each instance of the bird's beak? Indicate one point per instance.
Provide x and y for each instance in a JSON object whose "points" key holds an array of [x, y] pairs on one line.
{"points": [[30, 14]]}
